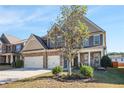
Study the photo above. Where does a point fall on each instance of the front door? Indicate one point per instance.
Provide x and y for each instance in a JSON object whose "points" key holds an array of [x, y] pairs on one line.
{"points": [[76, 61], [14, 59], [65, 63]]}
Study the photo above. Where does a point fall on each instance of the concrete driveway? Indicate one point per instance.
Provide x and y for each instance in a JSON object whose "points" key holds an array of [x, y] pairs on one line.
{"points": [[11, 75]]}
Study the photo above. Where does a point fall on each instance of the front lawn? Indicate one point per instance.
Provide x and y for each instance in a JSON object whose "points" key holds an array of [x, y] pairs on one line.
{"points": [[113, 77]]}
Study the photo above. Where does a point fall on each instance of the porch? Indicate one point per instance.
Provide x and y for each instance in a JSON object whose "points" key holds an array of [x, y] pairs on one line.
{"points": [[89, 57], [9, 58]]}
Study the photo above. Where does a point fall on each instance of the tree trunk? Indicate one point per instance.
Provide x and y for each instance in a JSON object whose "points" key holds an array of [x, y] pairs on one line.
{"points": [[69, 68]]}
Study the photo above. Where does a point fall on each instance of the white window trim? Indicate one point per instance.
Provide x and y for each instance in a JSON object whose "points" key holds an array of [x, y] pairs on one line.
{"points": [[94, 39]]}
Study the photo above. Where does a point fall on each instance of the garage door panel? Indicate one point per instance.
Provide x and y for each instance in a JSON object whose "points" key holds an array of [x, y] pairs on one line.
{"points": [[33, 62], [53, 61]]}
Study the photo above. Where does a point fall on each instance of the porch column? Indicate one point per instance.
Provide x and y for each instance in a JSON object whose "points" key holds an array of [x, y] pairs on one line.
{"points": [[102, 54], [89, 58], [79, 59], [61, 61], [72, 64], [21, 57], [11, 58], [7, 60]]}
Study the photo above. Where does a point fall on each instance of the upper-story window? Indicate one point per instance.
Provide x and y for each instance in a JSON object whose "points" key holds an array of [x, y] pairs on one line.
{"points": [[86, 43], [59, 40], [8, 48], [122, 59], [96, 39], [18, 48]]}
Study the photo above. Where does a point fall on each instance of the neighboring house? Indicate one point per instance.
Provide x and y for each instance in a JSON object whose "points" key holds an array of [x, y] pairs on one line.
{"points": [[117, 60], [10, 48], [42, 52]]}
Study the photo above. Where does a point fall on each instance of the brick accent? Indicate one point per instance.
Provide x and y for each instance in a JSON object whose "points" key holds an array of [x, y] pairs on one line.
{"points": [[82, 57], [45, 60], [52, 53], [34, 54]]}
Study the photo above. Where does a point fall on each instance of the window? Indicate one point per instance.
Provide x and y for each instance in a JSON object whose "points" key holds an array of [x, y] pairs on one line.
{"points": [[60, 41], [18, 48], [122, 59], [96, 39], [59, 38], [8, 48], [86, 43]]}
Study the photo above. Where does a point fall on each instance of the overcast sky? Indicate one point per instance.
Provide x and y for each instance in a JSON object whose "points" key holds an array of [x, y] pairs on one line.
{"points": [[21, 21]]}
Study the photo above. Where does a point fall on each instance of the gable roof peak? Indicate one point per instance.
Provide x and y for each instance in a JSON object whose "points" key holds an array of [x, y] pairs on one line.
{"points": [[40, 40], [11, 39], [91, 22]]}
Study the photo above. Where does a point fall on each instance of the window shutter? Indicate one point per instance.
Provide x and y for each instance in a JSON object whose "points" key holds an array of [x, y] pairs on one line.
{"points": [[101, 39]]}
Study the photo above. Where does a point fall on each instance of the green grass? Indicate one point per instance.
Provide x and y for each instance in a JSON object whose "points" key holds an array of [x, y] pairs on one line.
{"points": [[112, 75]]}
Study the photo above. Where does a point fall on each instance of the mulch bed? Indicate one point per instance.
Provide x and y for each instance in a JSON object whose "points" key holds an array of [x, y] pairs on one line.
{"points": [[73, 79]]}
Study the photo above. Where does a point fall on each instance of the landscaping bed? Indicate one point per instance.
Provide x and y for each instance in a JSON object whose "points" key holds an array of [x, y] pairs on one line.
{"points": [[111, 78], [74, 77]]}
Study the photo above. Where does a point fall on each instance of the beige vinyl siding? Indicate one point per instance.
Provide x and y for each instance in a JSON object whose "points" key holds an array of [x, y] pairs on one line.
{"points": [[32, 44]]}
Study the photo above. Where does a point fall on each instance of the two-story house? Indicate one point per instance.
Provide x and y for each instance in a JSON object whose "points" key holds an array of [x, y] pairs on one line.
{"points": [[10, 48], [42, 52]]}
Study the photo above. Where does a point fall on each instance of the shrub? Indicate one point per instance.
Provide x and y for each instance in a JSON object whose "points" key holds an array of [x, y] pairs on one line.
{"points": [[87, 71], [19, 63], [56, 70], [4, 63], [106, 62]]}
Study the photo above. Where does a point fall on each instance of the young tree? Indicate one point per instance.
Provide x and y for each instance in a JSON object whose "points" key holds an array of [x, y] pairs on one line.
{"points": [[75, 31]]}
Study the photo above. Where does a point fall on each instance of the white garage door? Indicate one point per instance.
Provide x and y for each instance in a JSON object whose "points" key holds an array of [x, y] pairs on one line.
{"points": [[33, 62], [53, 61]]}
